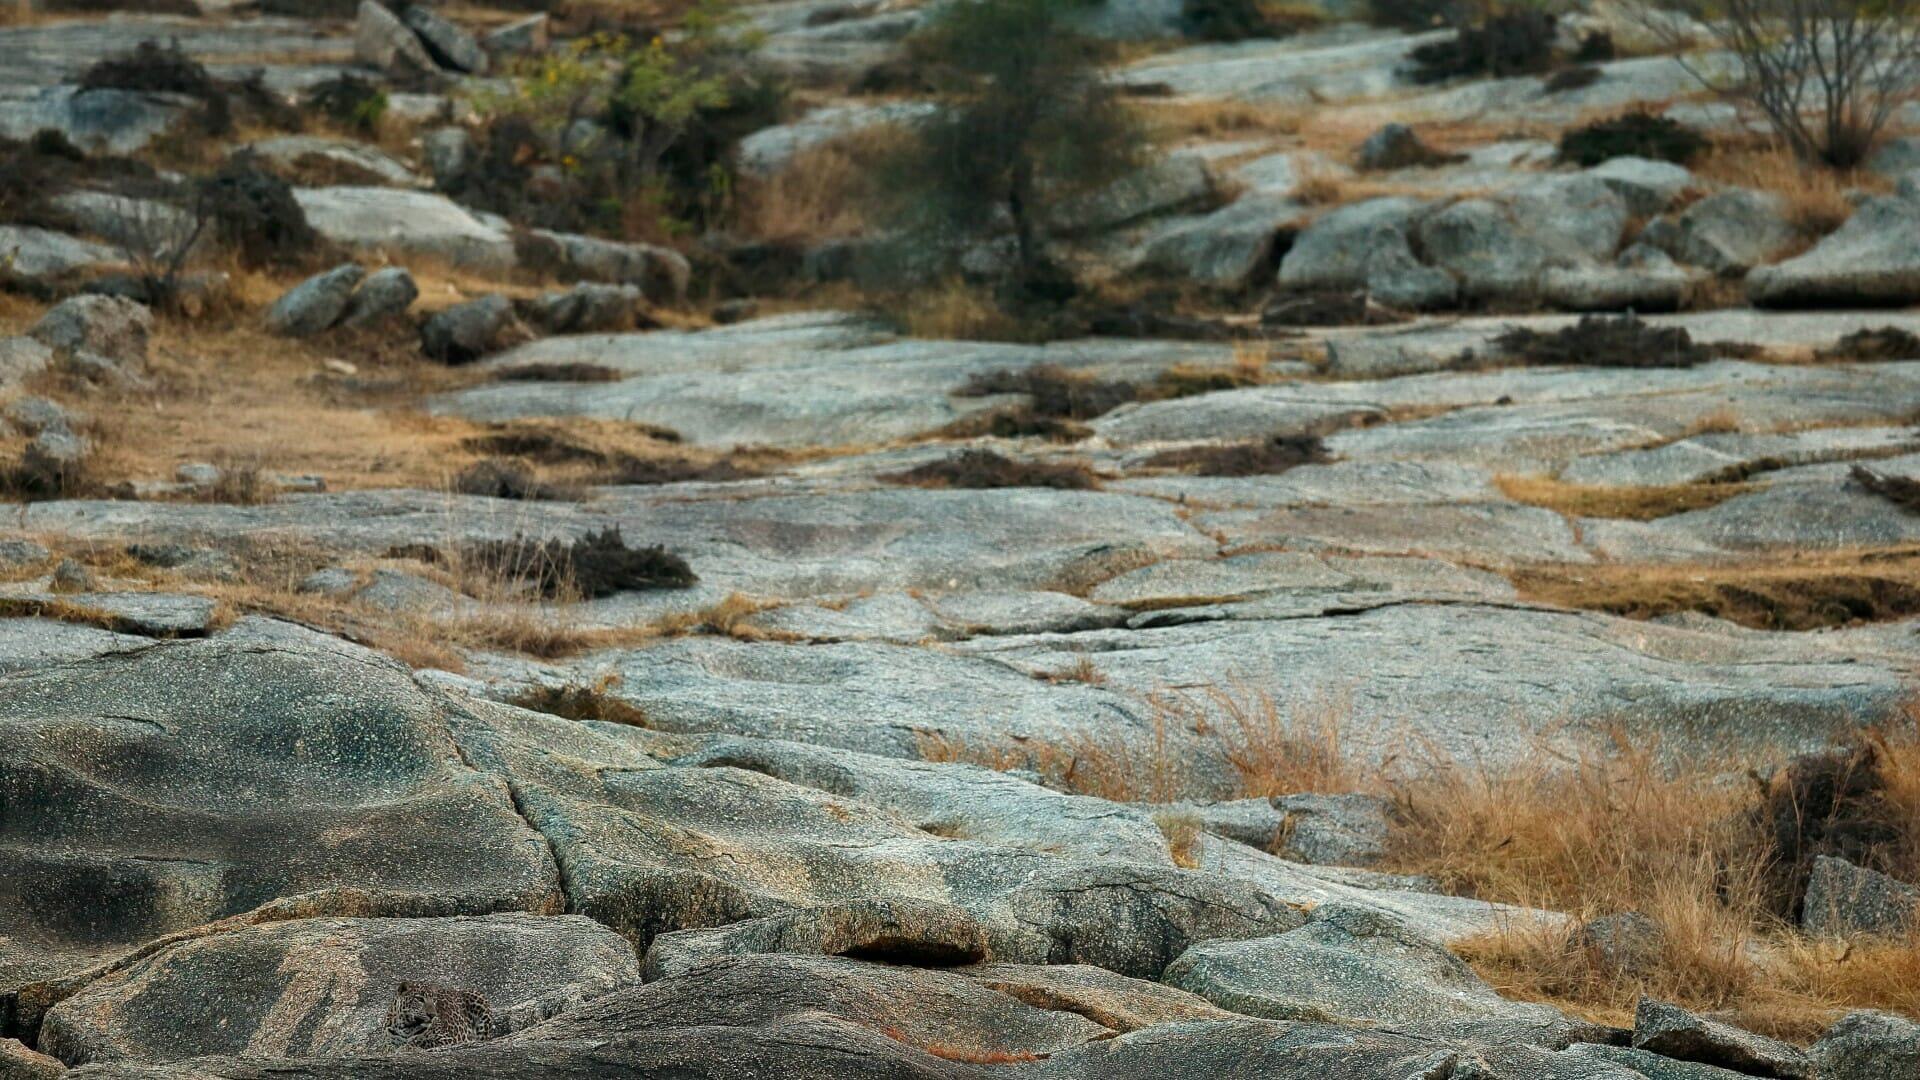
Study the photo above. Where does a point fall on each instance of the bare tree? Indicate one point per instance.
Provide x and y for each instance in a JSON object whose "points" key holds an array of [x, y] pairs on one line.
{"points": [[1827, 74], [156, 238]]}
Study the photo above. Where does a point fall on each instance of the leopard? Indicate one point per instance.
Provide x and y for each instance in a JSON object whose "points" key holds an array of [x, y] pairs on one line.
{"points": [[424, 1016]]}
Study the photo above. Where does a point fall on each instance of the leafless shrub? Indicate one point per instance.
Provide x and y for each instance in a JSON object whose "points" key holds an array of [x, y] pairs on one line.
{"points": [[1827, 74]]}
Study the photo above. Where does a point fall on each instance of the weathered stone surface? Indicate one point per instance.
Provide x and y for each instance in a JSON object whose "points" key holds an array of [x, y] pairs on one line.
{"points": [[963, 801], [342, 155], [1869, 1046], [1347, 964], [19, 1063], [769, 150], [106, 326], [1673, 1032], [586, 308], [661, 273], [448, 43], [322, 987], [1846, 899], [317, 780], [406, 223], [1728, 232], [1648, 186], [1174, 182], [113, 121], [466, 332], [899, 931], [381, 40], [1863, 263], [22, 357], [522, 37], [631, 842], [1652, 1066], [820, 379], [1228, 248], [1502, 247], [316, 304], [385, 293]]}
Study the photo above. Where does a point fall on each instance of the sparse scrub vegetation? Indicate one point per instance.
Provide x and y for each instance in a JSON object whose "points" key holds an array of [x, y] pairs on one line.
{"points": [[1828, 75], [598, 564], [1637, 133], [1026, 123], [1642, 503], [986, 469], [1255, 457], [1793, 592], [1604, 341], [582, 701]]}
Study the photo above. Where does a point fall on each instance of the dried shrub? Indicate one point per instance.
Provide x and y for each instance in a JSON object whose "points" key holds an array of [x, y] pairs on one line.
{"points": [[1875, 344], [575, 701], [1016, 422], [568, 371], [349, 102], [152, 68], [504, 478], [1056, 392], [1602, 341], [1574, 78], [253, 213], [598, 564], [1902, 491], [1507, 43], [1414, 14], [1255, 457], [986, 469], [1633, 134], [35, 169], [1834, 804], [631, 469]]}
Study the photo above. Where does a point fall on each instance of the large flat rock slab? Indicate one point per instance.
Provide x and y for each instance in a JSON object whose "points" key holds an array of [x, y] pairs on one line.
{"points": [[322, 987], [780, 544], [1468, 678], [812, 380], [308, 777]]}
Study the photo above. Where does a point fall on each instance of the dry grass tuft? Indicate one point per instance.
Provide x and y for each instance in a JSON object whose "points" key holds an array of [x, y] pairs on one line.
{"points": [[825, 192], [1788, 592], [1689, 846], [1635, 503], [1816, 199], [577, 701]]}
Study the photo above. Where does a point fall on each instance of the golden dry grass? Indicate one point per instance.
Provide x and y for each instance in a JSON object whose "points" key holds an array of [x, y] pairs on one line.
{"points": [[1791, 591], [824, 193], [1623, 830], [1631, 503], [1816, 199]]}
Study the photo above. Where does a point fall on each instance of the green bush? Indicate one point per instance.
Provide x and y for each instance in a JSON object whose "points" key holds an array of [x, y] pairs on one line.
{"points": [[1026, 121]]}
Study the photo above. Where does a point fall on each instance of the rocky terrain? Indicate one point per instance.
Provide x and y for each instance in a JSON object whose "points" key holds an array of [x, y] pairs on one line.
{"points": [[681, 662]]}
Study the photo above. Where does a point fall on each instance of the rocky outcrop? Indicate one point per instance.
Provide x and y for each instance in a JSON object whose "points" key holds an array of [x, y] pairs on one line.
{"points": [[1863, 263], [1842, 898]]}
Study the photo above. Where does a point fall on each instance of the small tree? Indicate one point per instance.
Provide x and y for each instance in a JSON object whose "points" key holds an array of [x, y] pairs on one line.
{"points": [[1827, 74], [1025, 120]]}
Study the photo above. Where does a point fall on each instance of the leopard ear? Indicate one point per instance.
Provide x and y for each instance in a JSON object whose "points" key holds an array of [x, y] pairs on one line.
{"points": [[405, 987]]}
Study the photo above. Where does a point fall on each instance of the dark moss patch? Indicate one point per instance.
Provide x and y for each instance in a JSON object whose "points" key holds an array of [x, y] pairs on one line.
{"points": [[1872, 345], [570, 371], [1231, 20], [1414, 15], [1633, 134], [255, 215], [164, 69], [1601, 341], [598, 564], [1254, 457], [35, 169], [986, 469], [576, 702], [1509, 43]]}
